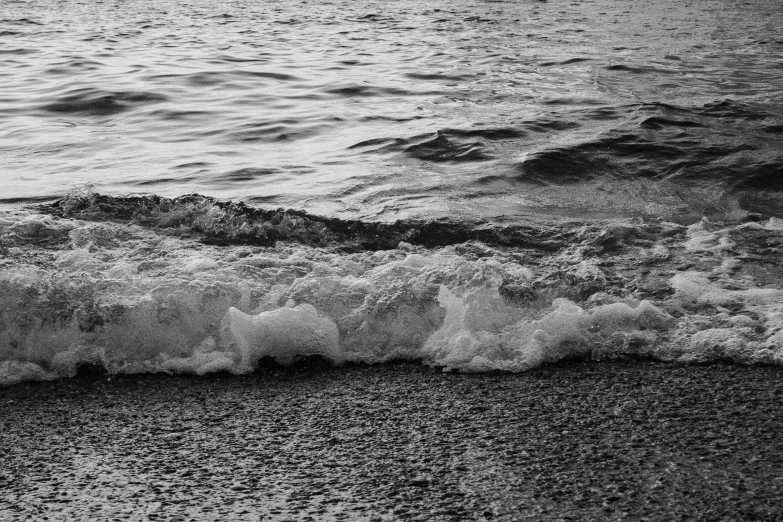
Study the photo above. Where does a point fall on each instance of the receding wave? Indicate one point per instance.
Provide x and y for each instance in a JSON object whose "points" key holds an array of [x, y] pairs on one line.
{"points": [[127, 285]]}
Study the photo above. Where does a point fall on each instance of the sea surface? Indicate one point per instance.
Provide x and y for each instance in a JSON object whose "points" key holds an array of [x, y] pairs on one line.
{"points": [[477, 185]]}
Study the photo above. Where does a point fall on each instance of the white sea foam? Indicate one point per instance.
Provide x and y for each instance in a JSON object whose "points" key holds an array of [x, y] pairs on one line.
{"points": [[566, 331], [705, 236], [284, 334], [131, 300]]}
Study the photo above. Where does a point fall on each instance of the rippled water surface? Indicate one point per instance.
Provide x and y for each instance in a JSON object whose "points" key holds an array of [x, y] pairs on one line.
{"points": [[380, 110], [607, 178]]}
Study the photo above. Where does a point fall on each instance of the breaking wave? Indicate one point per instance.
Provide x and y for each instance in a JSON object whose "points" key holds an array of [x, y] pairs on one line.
{"points": [[193, 285]]}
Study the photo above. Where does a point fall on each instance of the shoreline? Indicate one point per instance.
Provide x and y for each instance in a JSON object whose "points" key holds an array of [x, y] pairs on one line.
{"points": [[580, 440]]}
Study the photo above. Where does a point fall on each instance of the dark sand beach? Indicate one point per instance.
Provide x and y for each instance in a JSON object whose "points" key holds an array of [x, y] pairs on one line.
{"points": [[578, 441]]}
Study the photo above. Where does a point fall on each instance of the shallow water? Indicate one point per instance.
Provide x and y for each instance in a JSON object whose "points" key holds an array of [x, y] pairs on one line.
{"points": [[380, 110], [474, 185]]}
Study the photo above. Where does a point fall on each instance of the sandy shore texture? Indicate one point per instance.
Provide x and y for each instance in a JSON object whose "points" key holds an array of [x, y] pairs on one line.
{"points": [[578, 441]]}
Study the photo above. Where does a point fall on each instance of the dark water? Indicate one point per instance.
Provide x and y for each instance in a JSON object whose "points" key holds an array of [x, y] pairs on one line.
{"points": [[381, 110], [474, 185]]}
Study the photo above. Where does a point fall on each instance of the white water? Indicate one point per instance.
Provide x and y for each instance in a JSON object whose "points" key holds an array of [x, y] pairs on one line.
{"points": [[138, 300]]}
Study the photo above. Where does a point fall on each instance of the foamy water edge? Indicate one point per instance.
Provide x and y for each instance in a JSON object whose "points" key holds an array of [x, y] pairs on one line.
{"points": [[117, 290]]}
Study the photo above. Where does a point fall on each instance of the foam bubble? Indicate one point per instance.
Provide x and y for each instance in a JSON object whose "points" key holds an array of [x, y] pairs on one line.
{"points": [[480, 334], [774, 224], [14, 372], [717, 343], [284, 334], [705, 236], [206, 358]]}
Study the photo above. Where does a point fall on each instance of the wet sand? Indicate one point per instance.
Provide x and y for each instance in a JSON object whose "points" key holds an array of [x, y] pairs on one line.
{"points": [[579, 441]]}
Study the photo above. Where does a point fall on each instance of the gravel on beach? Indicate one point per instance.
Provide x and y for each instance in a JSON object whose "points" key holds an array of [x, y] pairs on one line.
{"points": [[576, 441]]}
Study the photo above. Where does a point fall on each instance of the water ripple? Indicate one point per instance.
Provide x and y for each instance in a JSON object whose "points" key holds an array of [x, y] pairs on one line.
{"points": [[495, 110]]}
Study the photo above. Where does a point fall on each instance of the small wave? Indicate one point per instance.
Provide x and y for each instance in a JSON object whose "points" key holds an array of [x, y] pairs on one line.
{"points": [[163, 181], [94, 102], [556, 166], [19, 51], [203, 78], [703, 157], [272, 75], [660, 123], [732, 109], [373, 17], [441, 148], [380, 144], [74, 66], [234, 222], [548, 125], [276, 130], [247, 174], [437, 77], [572, 100], [636, 69], [29, 200], [428, 147], [217, 77], [20, 21], [446, 145], [180, 115], [605, 114], [492, 133], [193, 164], [396, 119], [569, 61], [365, 91]]}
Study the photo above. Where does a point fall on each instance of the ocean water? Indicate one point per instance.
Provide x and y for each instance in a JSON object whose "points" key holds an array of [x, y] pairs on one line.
{"points": [[476, 185]]}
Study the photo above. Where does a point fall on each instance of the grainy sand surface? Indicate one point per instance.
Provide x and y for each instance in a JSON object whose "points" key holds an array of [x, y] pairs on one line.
{"points": [[581, 441]]}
